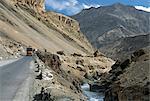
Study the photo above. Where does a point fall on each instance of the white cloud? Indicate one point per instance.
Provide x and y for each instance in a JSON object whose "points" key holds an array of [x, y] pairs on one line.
{"points": [[89, 6], [61, 4], [147, 9], [69, 6]]}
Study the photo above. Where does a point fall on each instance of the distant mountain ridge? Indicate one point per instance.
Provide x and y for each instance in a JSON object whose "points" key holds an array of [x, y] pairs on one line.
{"points": [[124, 47], [107, 24]]}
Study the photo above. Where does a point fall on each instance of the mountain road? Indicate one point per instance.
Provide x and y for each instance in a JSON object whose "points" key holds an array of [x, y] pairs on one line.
{"points": [[16, 76]]}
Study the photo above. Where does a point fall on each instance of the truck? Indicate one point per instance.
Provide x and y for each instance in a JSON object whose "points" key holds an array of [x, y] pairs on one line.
{"points": [[29, 51]]}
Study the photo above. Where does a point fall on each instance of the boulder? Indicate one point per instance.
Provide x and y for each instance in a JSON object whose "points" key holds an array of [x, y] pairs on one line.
{"points": [[137, 54], [61, 53], [97, 53], [77, 54], [80, 62]]}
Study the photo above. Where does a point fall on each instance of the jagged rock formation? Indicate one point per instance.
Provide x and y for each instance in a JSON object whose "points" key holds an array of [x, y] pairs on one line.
{"points": [[35, 4], [129, 79], [109, 26]]}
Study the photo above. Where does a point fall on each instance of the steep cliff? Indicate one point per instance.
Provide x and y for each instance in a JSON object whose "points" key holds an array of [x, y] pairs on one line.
{"points": [[128, 80], [27, 22], [35, 4]]}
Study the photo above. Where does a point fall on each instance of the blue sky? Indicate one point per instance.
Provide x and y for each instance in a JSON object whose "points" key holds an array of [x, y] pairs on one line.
{"points": [[71, 7]]}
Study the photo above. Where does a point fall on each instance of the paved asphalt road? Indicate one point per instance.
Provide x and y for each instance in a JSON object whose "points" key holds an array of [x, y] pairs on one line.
{"points": [[12, 76]]}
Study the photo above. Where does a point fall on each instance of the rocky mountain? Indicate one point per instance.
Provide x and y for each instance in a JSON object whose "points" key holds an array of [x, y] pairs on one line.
{"points": [[27, 22], [63, 58], [129, 79], [122, 33], [124, 47], [108, 25]]}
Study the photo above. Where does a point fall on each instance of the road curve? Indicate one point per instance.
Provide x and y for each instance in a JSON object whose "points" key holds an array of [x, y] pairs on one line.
{"points": [[12, 76]]}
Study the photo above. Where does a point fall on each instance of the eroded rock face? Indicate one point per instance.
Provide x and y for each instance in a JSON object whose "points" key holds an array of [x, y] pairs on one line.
{"points": [[132, 81], [37, 4], [128, 80], [50, 60], [133, 93], [54, 62]]}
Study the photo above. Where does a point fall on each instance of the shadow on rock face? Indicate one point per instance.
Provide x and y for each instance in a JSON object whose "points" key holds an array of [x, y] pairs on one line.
{"points": [[51, 60], [43, 96]]}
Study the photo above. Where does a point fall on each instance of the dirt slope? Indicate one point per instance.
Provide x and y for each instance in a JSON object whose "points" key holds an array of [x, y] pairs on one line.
{"points": [[29, 24]]}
